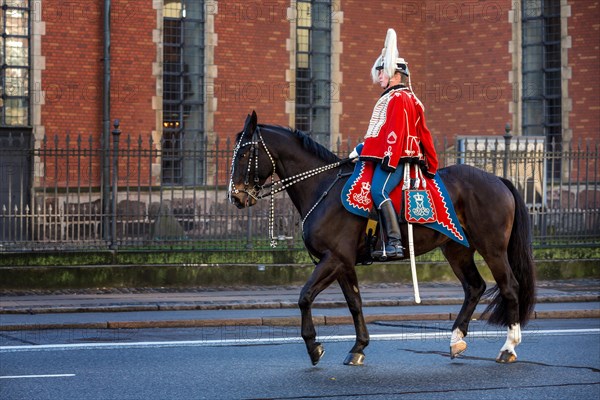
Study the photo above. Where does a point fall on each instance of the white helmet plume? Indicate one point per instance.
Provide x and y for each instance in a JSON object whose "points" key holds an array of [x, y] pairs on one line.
{"points": [[388, 58]]}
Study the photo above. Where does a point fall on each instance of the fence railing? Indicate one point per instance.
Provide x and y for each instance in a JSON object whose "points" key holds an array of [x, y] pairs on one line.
{"points": [[51, 197]]}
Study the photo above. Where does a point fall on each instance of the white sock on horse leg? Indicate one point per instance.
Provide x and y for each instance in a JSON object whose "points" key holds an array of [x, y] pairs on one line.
{"points": [[457, 336], [513, 338]]}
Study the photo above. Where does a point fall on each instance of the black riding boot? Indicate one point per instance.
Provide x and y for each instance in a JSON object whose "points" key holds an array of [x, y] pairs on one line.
{"points": [[393, 243]]}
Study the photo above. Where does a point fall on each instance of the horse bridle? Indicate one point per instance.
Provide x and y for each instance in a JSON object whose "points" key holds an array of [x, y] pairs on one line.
{"points": [[274, 186], [256, 189]]}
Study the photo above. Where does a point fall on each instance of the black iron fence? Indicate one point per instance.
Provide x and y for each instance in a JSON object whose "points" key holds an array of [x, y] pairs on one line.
{"points": [[52, 198]]}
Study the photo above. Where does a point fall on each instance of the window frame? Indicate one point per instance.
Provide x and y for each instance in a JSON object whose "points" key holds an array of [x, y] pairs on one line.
{"points": [[544, 91], [183, 145], [24, 95], [313, 86]]}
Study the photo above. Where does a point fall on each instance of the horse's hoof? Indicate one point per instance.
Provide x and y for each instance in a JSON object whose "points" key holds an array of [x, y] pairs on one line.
{"points": [[354, 359], [506, 357], [316, 354], [458, 348]]}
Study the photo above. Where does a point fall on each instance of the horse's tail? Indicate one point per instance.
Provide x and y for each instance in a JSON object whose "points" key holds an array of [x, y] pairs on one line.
{"points": [[520, 258]]}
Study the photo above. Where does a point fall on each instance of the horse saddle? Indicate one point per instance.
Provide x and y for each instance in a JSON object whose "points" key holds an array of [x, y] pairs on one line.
{"points": [[427, 203]]}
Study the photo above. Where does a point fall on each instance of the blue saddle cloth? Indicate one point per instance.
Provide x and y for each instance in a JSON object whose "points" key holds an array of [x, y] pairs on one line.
{"points": [[431, 207]]}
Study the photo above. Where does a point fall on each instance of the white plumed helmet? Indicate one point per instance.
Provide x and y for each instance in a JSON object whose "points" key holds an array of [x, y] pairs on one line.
{"points": [[389, 60]]}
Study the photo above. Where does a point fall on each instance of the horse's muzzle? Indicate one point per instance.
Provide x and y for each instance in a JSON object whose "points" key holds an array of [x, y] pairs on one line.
{"points": [[241, 199]]}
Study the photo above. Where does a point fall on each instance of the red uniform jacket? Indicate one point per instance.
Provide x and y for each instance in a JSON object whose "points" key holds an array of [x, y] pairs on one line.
{"points": [[397, 133]]}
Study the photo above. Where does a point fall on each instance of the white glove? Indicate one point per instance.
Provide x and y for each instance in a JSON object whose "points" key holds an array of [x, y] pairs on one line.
{"points": [[354, 155]]}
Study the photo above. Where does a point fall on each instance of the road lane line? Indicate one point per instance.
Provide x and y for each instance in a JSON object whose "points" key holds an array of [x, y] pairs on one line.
{"points": [[36, 376], [270, 340]]}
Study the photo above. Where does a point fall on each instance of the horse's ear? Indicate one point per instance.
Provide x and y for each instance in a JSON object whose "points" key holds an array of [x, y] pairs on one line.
{"points": [[253, 121], [250, 124]]}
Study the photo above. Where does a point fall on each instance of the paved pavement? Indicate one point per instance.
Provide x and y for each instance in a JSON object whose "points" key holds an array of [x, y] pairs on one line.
{"points": [[197, 307]]}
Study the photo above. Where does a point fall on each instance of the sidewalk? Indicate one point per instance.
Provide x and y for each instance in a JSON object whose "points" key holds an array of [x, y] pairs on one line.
{"points": [[150, 308]]}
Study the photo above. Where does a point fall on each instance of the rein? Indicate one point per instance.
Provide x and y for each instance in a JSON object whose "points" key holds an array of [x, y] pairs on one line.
{"points": [[280, 185], [292, 180], [339, 176]]}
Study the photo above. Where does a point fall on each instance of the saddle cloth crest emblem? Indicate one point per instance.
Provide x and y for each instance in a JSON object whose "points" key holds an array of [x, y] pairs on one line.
{"points": [[363, 196], [419, 207]]}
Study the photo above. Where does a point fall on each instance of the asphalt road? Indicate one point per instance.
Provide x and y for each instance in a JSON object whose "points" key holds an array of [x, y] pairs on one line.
{"points": [[558, 359]]}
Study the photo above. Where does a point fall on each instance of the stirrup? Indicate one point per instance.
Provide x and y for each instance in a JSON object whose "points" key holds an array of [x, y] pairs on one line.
{"points": [[392, 252]]}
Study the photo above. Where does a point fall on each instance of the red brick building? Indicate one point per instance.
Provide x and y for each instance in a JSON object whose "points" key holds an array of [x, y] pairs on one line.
{"points": [[182, 69]]}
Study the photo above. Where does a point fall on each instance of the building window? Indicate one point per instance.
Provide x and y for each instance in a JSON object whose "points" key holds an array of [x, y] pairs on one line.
{"points": [[14, 55], [542, 95], [183, 92], [313, 68]]}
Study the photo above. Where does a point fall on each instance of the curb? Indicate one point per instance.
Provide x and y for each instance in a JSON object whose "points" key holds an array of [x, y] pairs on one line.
{"points": [[173, 306], [280, 321]]}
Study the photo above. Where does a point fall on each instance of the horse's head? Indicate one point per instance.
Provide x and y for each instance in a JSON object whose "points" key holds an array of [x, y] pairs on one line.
{"points": [[251, 165]]}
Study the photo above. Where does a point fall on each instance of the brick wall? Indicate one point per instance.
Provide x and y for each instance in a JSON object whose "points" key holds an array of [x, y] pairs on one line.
{"points": [[584, 61], [72, 81], [457, 54], [133, 84], [363, 34], [133, 51], [252, 60], [466, 89], [71, 87]]}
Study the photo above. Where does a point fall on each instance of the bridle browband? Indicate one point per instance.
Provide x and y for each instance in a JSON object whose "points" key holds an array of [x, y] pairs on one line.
{"points": [[274, 187]]}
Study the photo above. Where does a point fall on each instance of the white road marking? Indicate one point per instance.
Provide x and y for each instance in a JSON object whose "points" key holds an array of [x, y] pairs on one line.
{"points": [[37, 376], [287, 340]]}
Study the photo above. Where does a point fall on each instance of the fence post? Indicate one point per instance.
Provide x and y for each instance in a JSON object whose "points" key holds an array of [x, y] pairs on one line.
{"points": [[249, 244], [507, 138], [115, 183]]}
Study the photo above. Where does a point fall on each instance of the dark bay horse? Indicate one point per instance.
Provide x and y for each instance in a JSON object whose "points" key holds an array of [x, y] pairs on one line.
{"points": [[490, 210]]}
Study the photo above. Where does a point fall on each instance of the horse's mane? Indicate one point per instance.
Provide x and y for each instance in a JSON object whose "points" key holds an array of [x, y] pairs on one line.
{"points": [[307, 143]]}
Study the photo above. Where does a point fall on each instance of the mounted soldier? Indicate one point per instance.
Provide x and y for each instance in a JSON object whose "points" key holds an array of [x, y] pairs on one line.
{"points": [[397, 137], [398, 148], [333, 231]]}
